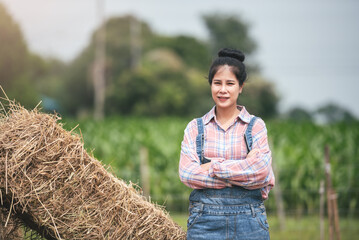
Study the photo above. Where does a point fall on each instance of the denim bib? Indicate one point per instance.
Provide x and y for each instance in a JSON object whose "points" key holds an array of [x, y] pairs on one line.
{"points": [[228, 213]]}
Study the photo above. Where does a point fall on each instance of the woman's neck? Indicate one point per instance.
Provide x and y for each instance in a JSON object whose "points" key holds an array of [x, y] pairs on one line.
{"points": [[225, 116]]}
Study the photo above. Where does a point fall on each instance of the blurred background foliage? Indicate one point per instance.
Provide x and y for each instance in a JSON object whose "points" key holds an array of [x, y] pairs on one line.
{"points": [[147, 74]]}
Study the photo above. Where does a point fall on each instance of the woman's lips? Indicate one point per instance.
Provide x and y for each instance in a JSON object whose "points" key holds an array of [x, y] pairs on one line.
{"points": [[222, 99]]}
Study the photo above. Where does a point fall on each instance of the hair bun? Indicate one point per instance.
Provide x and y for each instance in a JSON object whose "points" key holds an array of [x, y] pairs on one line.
{"points": [[233, 53]]}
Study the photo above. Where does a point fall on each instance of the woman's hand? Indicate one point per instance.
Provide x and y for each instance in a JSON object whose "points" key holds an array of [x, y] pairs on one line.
{"points": [[206, 166], [253, 153]]}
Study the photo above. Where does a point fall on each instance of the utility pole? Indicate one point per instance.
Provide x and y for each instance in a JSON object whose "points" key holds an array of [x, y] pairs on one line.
{"points": [[98, 71], [278, 194], [136, 49], [321, 209], [145, 172], [333, 215]]}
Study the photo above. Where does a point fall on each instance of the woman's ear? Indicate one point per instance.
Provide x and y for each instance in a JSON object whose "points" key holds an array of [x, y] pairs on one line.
{"points": [[241, 88]]}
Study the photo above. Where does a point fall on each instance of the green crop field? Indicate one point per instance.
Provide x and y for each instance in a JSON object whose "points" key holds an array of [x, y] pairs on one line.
{"points": [[297, 148], [303, 228]]}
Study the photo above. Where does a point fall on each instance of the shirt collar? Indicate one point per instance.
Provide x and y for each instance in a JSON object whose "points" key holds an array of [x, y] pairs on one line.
{"points": [[243, 115], [209, 116]]}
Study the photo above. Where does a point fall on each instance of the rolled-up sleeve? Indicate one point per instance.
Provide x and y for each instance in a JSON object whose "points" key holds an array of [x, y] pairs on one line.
{"points": [[253, 172], [190, 171]]}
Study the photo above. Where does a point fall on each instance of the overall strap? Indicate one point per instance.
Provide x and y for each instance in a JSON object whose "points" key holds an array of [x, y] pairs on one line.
{"points": [[200, 142], [248, 134]]}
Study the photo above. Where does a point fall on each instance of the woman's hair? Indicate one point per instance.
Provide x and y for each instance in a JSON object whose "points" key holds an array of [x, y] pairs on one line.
{"points": [[234, 59]]}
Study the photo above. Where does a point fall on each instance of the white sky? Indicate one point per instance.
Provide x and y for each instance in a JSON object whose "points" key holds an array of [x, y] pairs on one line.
{"points": [[309, 49]]}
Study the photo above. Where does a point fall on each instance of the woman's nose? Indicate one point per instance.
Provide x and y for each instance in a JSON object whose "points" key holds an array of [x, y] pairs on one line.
{"points": [[223, 88]]}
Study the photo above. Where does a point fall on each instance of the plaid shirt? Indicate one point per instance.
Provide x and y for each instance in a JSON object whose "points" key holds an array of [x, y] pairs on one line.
{"points": [[228, 154]]}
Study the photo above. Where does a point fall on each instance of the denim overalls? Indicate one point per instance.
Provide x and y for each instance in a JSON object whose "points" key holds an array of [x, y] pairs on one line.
{"points": [[228, 213]]}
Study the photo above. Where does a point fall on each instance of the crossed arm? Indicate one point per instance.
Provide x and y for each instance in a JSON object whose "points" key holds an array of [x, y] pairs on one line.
{"points": [[253, 172]]}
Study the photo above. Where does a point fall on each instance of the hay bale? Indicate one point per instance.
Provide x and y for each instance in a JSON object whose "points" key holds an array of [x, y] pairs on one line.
{"points": [[55, 187], [10, 227]]}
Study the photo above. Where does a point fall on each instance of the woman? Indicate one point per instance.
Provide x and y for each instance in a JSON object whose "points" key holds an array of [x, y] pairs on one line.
{"points": [[229, 182]]}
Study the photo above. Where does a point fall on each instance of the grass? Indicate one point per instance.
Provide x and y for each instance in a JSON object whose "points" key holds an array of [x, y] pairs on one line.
{"points": [[304, 228]]}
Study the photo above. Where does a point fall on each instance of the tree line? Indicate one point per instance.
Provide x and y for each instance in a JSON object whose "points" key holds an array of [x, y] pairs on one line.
{"points": [[146, 73]]}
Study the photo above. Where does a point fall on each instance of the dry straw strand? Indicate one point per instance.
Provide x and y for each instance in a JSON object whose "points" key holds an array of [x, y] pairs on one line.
{"points": [[63, 192]]}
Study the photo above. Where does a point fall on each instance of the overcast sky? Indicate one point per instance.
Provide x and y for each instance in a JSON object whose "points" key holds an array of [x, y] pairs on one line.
{"points": [[309, 49]]}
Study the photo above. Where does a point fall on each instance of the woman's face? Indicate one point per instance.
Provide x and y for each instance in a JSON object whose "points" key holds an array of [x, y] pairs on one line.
{"points": [[225, 88]]}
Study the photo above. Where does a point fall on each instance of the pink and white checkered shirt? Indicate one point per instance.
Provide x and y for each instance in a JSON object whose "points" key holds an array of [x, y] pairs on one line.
{"points": [[228, 154]]}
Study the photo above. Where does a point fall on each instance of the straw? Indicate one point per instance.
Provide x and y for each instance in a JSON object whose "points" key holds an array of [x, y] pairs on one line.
{"points": [[51, 184]]}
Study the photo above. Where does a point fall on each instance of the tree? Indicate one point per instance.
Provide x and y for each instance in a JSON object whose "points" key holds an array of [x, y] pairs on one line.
{"points": [[13, 51], [195, 53], [259, 97], [170, 77], [79, 86], [229, 31], [170, 73], [98, 68], [165, 85], [331, 113], [18, 67], [299, 114]]}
